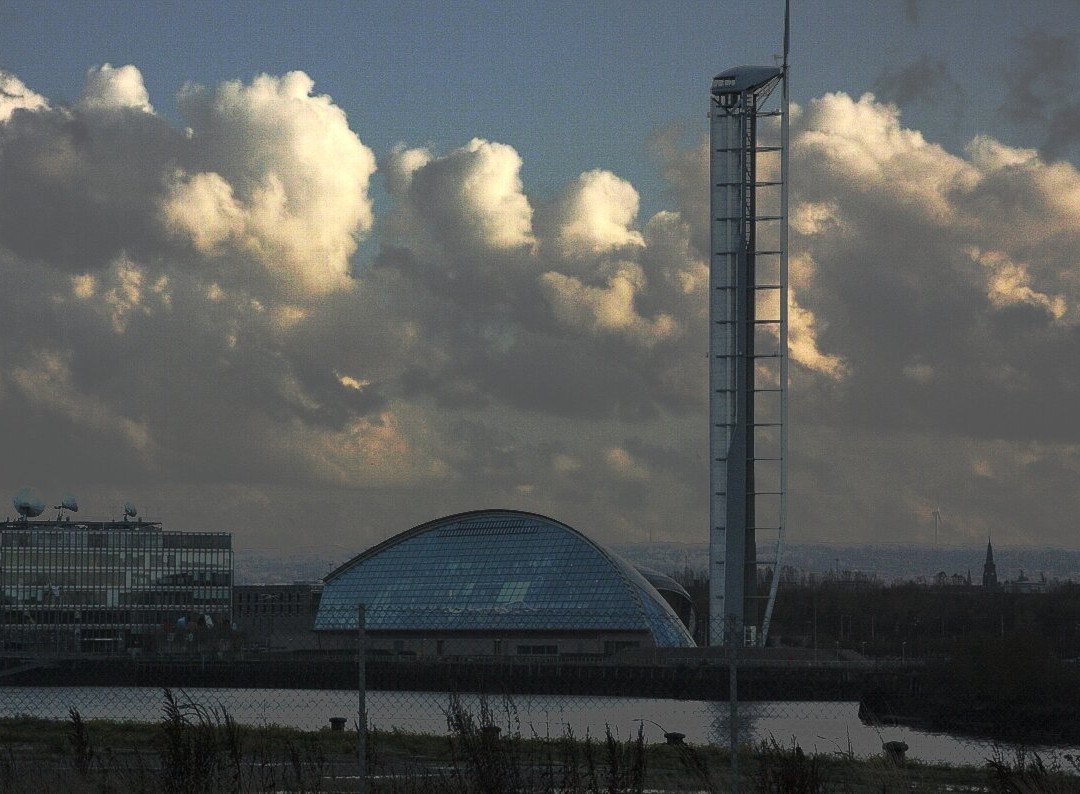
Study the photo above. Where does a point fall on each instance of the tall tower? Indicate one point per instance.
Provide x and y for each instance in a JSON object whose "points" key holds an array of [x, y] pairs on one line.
{"points": [[747, 348], [990, 579]]}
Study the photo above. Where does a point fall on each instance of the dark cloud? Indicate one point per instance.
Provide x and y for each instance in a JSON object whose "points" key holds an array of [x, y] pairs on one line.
{"points": [[924, 81], [186, 315], [911, 11], [69, 195], [1043, 91]]}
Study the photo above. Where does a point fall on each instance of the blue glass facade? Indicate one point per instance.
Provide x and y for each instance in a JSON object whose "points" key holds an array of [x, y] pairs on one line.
{"points": [[492, 571]]}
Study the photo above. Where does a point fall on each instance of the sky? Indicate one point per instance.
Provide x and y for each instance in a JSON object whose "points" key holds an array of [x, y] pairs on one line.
{"points": [[315, 273]]}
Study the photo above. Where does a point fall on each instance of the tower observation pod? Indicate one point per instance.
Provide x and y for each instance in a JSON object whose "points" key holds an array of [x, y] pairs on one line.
{"points": [[747, 349]]}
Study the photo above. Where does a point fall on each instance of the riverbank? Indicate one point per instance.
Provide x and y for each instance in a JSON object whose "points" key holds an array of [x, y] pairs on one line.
{"points": [[693, 674], [194, 748]]}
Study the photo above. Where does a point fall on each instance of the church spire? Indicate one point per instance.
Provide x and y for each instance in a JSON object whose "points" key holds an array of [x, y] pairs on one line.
{"points": [[989, 569]]}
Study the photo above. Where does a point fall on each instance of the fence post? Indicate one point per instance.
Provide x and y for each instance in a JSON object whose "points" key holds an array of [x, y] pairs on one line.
{"points": [[361, 724], [734, 640]]}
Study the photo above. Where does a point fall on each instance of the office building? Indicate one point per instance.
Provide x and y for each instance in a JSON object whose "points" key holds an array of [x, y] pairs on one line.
{"points": [[112, 587]]}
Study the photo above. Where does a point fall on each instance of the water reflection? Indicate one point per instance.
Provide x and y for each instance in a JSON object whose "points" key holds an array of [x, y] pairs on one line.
{"points": [[823, 727]]}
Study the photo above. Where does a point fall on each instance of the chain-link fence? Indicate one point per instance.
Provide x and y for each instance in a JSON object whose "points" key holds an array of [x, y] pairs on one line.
{"points": [[514, 702]]}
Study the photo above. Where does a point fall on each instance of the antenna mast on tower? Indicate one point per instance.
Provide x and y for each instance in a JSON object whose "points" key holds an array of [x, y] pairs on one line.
{"points": [[748, 347]]}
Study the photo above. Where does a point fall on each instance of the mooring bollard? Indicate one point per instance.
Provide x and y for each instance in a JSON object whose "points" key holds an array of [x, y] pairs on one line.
{"points": [[894, 751]]}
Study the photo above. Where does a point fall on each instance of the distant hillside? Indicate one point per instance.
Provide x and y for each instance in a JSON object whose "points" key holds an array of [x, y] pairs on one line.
{"points": [[887, 561], [255, 567]]}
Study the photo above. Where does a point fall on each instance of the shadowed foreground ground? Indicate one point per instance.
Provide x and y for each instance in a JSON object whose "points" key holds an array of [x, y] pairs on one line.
{"points": [[195, 749]]}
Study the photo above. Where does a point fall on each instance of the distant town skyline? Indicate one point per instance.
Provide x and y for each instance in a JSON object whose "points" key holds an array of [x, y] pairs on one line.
{"points": [[315, 274]]}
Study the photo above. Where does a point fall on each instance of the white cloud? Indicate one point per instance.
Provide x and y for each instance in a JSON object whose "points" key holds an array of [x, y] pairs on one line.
{"points": [[14, 95], [803, 329], [862, 146], [469, 198], [667, 242], [400, 166], [1009, 284], [349, 382], [607, 309], [625, 465], [595, 214], [814, 217], [202, 292], [203, 206], [115, 88], [283, 183], [83, 286]]}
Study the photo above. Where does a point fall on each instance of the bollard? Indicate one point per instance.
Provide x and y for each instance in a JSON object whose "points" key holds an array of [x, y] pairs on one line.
{"points": [[894, 751]]}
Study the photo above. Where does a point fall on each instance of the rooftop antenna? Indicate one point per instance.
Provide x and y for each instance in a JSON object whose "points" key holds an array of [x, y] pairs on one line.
{"points": [[130, 511]]}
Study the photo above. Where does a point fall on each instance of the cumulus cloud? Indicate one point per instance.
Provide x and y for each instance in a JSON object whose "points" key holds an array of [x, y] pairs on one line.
{"points": [[14, 95], [947, 285], [187, 306], [606, 309], [77, 184], [803, 346], [281, 181], [595, 214], [814, 217], [115, 88], [469, 198], [267, 188], [1009, 284]]}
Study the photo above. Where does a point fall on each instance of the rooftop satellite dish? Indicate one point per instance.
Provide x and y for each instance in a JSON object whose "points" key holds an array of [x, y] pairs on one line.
{"points": [[27, 503], [130, 511], [67, 503]]}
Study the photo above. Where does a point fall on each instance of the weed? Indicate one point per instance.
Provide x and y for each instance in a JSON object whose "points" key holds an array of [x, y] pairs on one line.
{"points": [[1027, 773], [82, 749], [782, 771]]}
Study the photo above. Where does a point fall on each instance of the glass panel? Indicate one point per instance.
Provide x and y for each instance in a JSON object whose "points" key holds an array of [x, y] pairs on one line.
{"points": [[497, 571]]}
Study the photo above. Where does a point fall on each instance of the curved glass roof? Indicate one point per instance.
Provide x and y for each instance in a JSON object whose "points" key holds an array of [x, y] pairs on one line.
{"points": [[496, 570]]}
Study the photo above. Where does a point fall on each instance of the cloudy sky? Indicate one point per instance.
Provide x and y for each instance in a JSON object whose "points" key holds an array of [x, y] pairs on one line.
{"points": [[315, 273]]}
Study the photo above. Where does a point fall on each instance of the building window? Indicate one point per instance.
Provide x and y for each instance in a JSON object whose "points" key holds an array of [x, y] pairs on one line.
{"points": [[513, 592]]}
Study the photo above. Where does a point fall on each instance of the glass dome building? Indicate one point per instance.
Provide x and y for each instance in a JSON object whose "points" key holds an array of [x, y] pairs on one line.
{"points": [[496, 582]]}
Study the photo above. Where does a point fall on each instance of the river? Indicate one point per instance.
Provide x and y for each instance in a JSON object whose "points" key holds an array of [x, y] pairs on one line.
{"points": [[825, 727]]}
